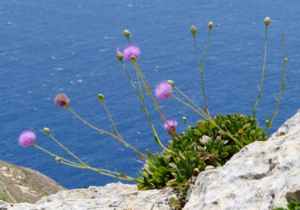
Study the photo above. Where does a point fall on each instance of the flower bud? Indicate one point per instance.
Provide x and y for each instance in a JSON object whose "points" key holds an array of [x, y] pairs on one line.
{"points": [[210, 25], [119, 55], [101, 97], [171, 82], [126, 33], [46, 130], [267, 21], [133, 58], [285, 60], [58, 159], [193, 30], [204, 139], [184, 119]]}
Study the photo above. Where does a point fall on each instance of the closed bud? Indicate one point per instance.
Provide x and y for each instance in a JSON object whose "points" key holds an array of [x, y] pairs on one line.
{"points": [[126, 33], [133, 58], [184, 119], [119, 56], [210, 25], [267, 21], [46, 130], [193, 30], [58, 159], [171, 82], [101, 97], [285, 60]]}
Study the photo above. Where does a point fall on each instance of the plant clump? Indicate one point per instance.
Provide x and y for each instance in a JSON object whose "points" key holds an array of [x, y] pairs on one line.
{"points": [[202, 147]]}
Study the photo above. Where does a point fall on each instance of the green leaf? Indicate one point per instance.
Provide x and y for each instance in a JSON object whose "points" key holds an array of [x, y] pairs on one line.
{"points": [[198, 132], [173, 165], [226, 149], [224, 155], [246, 126], [156, 139], [172, 182], [240, 131], [149, 153]]}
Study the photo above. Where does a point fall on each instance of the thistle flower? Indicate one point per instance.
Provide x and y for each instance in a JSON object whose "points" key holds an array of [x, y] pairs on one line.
{"points": [[163, 90], [173, 123], [26, 138], [119, 55], [131, 51], [62, 100]]}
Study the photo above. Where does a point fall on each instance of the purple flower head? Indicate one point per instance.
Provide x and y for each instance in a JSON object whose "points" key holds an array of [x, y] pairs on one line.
{"points": [[172, 123], [131, 50], [163, 90], [62, 100], [26, 138]]}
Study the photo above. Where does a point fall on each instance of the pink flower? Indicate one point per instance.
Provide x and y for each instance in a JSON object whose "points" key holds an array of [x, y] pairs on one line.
{"points": [[62, 100], [173, 123], [26, 138], [163, 90], [130, 51]]}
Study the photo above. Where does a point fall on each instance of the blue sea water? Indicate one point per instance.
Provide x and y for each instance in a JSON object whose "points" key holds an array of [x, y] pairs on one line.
{"points": [[49, 47]]}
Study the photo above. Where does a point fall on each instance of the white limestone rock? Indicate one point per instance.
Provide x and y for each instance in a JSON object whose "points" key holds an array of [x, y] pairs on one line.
{"points": [[115, 196], [260, 176]]}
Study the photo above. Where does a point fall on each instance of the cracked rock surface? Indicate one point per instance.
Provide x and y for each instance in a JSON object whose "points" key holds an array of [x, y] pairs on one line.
{"points": [[260, 176], [115, 196]]}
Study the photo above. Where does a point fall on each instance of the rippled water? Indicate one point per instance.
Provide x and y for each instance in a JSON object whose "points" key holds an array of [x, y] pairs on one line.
{"points": [[49, 47]]}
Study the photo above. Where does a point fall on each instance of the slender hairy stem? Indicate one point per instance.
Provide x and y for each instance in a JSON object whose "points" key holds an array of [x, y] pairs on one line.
{"points": [[205, 116], [62, 146], [189, 100], [85, 166], [138, 79], [132, 84], [128, 40], [111, 118], [141, 97], [147, 87], [202, 69], [53, 155], [282, 86], [263, 74], [108, 133]]}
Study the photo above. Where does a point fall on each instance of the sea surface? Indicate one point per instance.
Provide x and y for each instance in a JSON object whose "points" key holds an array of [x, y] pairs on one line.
{"points": [[68, 46]]}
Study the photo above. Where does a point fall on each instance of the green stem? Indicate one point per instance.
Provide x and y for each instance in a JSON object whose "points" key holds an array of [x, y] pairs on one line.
{"points": [[189, 100], [199, 65], [132, 84], [144, 81], [128, 40], [108, 133], [62, 146], [283, 78], [263, 74], [85, 166], [111, 118], [53, 155]]}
